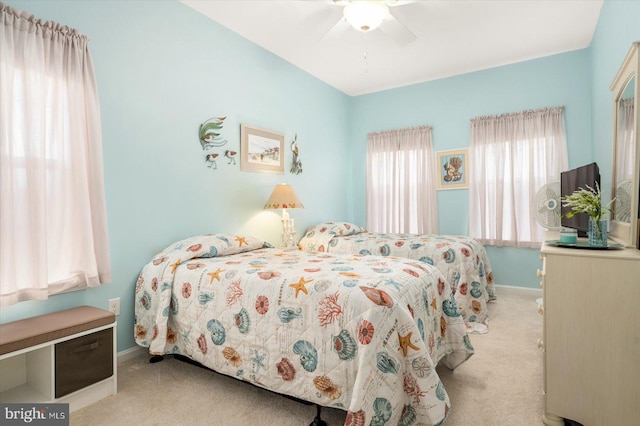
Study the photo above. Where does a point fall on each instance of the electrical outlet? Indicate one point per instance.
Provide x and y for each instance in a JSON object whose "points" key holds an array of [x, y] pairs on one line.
{"points": [[114, 306]]}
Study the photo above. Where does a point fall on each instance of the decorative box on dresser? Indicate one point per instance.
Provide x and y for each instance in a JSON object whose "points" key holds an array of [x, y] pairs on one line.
{"points": [[591, 335]]}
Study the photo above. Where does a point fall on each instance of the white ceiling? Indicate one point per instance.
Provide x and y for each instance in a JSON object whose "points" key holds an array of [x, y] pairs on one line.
{"points": [[453, 37]]}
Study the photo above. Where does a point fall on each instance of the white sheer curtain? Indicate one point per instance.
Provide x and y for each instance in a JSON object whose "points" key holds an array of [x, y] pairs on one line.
{"points": [[513, 155], [401, 182], [53, 225], [625, 148]]}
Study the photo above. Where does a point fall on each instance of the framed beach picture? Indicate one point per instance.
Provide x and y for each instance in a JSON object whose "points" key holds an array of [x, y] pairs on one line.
{"points": [[453, 169], [261, 150]]}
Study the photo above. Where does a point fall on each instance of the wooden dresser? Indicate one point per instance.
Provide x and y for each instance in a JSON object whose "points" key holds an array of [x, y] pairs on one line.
{"points": [[591, 335]]}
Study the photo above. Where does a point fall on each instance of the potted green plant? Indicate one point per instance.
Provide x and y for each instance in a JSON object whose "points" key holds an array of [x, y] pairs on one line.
{"points": [[589, 201]]}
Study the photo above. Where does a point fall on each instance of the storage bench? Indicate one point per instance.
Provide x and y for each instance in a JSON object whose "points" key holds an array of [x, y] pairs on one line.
{"points": [[62, 357]]}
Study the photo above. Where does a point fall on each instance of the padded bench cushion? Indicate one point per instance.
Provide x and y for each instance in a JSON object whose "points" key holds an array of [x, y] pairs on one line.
{"points": [[45, 328]]}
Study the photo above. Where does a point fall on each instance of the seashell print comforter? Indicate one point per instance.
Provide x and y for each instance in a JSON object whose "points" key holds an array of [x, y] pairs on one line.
{"points": [[359, 333], [462, 260]]}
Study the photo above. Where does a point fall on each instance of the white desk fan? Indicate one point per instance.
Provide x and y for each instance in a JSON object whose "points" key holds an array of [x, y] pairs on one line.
{"points": [[547, 206]]}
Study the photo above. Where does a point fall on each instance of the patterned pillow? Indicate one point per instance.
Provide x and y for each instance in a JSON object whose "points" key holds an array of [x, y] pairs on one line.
{"points": [[212, 245], [334, 228]]}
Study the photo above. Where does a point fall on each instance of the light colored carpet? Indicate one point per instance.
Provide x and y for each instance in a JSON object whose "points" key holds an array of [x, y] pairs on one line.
{"points": [[501, 384]]}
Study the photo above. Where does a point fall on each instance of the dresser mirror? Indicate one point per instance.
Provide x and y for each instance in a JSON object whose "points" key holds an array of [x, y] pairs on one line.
{"points": [[626, 151]]}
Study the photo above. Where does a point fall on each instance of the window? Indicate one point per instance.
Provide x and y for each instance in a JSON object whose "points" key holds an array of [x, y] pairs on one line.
{"points": [[514, 155], [52, 215], [401, 180]]}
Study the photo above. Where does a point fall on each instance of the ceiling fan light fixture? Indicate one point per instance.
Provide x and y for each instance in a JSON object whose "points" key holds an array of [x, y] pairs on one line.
{"points": [[365, 15]]}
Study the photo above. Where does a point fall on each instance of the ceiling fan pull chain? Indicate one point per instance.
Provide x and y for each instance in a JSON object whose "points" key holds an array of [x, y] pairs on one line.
{"points": [[366, 63], [366, 58]]}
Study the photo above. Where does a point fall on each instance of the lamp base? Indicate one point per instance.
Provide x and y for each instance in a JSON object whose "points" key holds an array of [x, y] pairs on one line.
{"points": [[289, 239]]}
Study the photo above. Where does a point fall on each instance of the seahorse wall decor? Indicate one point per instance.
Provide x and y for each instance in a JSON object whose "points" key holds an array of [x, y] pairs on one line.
{"points": [[210, 137], [296, 164]]}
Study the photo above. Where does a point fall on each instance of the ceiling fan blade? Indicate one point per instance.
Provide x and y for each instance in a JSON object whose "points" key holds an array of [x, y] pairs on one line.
{"points": [[325, 22], [336, 30], [392, 27]]}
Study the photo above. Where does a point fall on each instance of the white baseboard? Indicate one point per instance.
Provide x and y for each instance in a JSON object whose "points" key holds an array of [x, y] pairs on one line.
{"points": [[130, 353], [537, 291]]}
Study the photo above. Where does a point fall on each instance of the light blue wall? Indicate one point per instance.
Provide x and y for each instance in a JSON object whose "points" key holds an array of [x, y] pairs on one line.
{"points": [[618, 27], [449, 104], [579, 80], [162, 69]]}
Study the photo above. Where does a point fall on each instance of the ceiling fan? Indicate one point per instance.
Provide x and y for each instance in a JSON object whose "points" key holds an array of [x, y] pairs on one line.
{"points": [[369, 15]]}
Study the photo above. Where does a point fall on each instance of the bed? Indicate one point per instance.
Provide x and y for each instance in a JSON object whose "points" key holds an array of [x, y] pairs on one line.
{"points": [[359, 333], [462, 260]]}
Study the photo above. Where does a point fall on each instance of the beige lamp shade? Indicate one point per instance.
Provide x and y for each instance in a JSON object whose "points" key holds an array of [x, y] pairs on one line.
{"points": [[283, 197]]}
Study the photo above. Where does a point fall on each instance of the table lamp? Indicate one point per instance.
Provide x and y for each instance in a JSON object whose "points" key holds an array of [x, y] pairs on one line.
{"points": [[284, 197]]}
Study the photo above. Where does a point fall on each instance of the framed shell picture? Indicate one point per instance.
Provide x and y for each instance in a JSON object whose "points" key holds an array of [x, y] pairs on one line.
{"points": [[453, 169], [261, 150]]}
